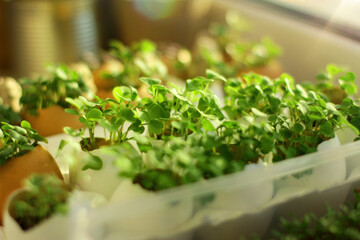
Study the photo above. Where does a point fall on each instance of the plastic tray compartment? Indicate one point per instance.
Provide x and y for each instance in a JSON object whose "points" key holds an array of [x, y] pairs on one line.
{"points": [[235, 205]]}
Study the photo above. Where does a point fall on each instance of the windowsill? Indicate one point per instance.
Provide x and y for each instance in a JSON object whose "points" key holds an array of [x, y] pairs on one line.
{"points": [[339, 16], [345, 12]]}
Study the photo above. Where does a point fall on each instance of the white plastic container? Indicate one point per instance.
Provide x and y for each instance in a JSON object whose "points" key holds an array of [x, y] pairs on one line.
{"points": [[320, 177], [57, 226], [224, 214], [166, 219], [237, 183], [103, 181]]}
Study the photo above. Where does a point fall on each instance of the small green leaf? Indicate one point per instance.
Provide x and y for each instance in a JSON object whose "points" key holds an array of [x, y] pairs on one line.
{"points": [[127, 114], [349, 88], [274, 102], [267, 144], [290, 152], [20, 130], [331, 107], [298, 128], [302, 91], [142, 142], [354, 111], [72, 111], [203, 104], [83, 121], [144, 116], [160, 88], [150, 81], [322, 102], [25, 124], [39, 138], [315, 116], [87, 103], [177, 95], [347, 102], [258, 113], [146, 46], [92, 162], [16, 136], [134, 93], [326, 129], [157, 111], [108, 112], [94, 115], [156, 126], [123, 163], [193, 112], [62, 144], [285, 133], [75, 102], [117, 122], [207, 125], [196, 84], [72, 132], [334, 70], [61, 73], [349, 77], [179, 125], [289, 82], [304, 108], [160, 68], [107, 125], [143, 66], [6, 126], [212, 74], [125, 93], [137, 127], [322, 77], [7, 151], [313, 95], [27, 147]]}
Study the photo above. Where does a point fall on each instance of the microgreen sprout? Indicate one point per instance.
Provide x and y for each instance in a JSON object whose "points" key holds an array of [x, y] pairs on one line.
{"points": [[110, 114], [8, 115], [17, 140], [138, 60], [43, 196], [229, 53], [339, 223], [52, 89]]}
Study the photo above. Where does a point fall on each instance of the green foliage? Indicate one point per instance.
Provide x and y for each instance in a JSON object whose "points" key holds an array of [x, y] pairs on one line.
{"points": [[300, 118], [231, 52], [43, 196], [128, 159], [178, 112], [335, 224], [17, 140], [176, 161], [336, 83], [351, 109], [262, 120], [92, 162], [8, 115], [156, 179], [139, 60], [110, 114], [52, 89]]}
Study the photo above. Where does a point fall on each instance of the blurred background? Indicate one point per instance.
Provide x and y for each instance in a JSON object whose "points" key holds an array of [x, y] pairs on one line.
{"points": [[36, 32]]}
